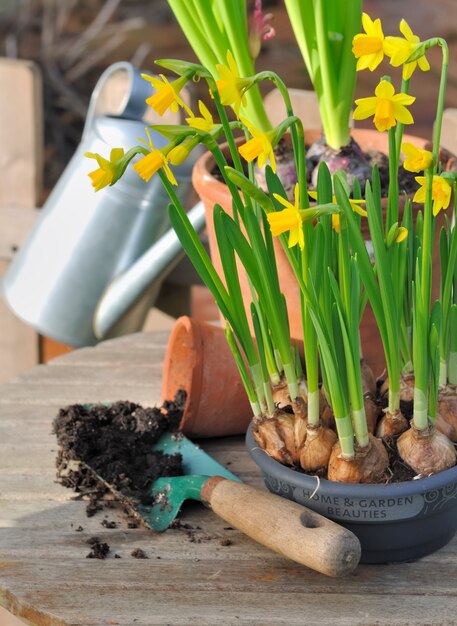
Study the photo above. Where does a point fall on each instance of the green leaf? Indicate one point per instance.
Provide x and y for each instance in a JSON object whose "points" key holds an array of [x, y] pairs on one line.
{"points": [[183, 68], [254, 192], [230, 269], [174, 131], [200, 259]]}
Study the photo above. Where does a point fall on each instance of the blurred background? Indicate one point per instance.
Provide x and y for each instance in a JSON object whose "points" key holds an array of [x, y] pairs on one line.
{"points": [[73, 41]]}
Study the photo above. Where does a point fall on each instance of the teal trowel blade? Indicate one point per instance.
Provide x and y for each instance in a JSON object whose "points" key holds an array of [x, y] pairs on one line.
{"points": [[169, 493], [195, 461]]}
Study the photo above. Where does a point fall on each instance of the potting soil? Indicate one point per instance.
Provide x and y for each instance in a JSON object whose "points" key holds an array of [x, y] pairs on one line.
{"points": [[115, 441]]}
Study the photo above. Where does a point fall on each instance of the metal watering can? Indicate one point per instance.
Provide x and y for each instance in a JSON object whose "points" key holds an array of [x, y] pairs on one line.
{"points": [[94, 262]]}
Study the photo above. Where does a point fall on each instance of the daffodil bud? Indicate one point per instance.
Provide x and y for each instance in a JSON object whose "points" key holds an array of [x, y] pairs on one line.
{"points": [[180, 153]]}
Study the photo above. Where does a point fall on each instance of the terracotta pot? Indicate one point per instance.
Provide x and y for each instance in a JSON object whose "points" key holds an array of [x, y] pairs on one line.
{"points": [[198, 360], [212, 192]]}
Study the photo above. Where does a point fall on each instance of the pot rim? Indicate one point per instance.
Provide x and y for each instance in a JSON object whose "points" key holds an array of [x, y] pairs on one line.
{"points": [[410, 487]]}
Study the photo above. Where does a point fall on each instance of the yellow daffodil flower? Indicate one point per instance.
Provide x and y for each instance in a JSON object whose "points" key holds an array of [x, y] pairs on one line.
{"points": [[399, 50], [231, 87], [152, 162], [441, 192], [205, 122], [387, 107], [355, 205], [368, 48], [167, 94], [417, 159], [290, 219], [259, 147], [106, 172]]}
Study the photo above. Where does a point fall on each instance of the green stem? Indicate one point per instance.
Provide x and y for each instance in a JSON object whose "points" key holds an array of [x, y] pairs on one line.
{"points": [[392, 200], [440, 104], [345, 436], [360, 427], [296, 131], [399, 128], [394, 400]]}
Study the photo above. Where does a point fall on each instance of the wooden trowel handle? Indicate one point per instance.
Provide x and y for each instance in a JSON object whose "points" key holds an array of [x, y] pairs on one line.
{"points": [[284, 526]]}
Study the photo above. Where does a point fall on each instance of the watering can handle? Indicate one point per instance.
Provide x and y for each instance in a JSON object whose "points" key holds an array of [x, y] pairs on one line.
{"points": [[120, 92]]}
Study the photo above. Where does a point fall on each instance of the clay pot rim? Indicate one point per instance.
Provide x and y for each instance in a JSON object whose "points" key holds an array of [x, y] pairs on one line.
{"points": [[299, 479], [202, 176], [193, 386]]}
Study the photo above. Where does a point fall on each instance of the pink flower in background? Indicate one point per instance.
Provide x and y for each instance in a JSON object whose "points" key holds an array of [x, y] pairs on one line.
{"points": [[259, 28]]}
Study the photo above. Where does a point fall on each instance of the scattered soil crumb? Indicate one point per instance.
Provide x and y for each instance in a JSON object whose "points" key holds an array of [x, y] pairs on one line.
{"points": [[79, 529], [132, 525], [228, 528], [225, 542], [109, 524], [138, 553], [117, 556], [99, 549], [199, 537], [176, 524]]}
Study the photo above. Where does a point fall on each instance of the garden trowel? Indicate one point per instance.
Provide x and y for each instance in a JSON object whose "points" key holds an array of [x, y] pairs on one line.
{"points": [[283, 526]]}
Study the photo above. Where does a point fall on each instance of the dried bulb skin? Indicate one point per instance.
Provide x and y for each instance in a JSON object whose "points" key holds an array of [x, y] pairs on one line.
{"points": [[368, 379], [427, 452], [371, 412], [315, 453], [444, 427], [368, 466], [391, 424], [406, 387], [325, 411], [446, 421], [280, 393], [299, 408], [276, 435]]}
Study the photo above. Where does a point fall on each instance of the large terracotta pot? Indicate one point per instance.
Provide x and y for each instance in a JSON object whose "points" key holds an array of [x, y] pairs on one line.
{"points": [[212, 192]]}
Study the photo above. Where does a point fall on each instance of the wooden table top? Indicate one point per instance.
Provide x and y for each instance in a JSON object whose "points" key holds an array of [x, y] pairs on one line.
{"points": [[191, 576]]}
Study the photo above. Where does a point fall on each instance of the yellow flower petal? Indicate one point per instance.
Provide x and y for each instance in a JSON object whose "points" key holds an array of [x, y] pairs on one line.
{"points": [[289, 219], [230, 86], [441, 192], [149, 165], [417, 159], [402, 233], [386, 106]]}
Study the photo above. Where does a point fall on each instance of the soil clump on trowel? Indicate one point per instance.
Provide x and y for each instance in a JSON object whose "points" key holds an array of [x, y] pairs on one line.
{"points": [[115, 443]]}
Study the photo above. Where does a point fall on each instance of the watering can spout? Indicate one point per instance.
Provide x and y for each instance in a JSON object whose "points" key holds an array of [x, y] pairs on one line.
{"points": [[129, 289]]}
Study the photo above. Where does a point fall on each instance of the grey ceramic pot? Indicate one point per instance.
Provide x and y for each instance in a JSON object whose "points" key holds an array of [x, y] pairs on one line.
{"points": [[398, 522]]}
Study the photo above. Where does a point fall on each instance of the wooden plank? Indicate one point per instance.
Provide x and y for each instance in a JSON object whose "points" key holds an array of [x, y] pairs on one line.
{"points": [[304, 104], [15, 225], [449, 130], [18, 342], [21, 130], [21, 165]]}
